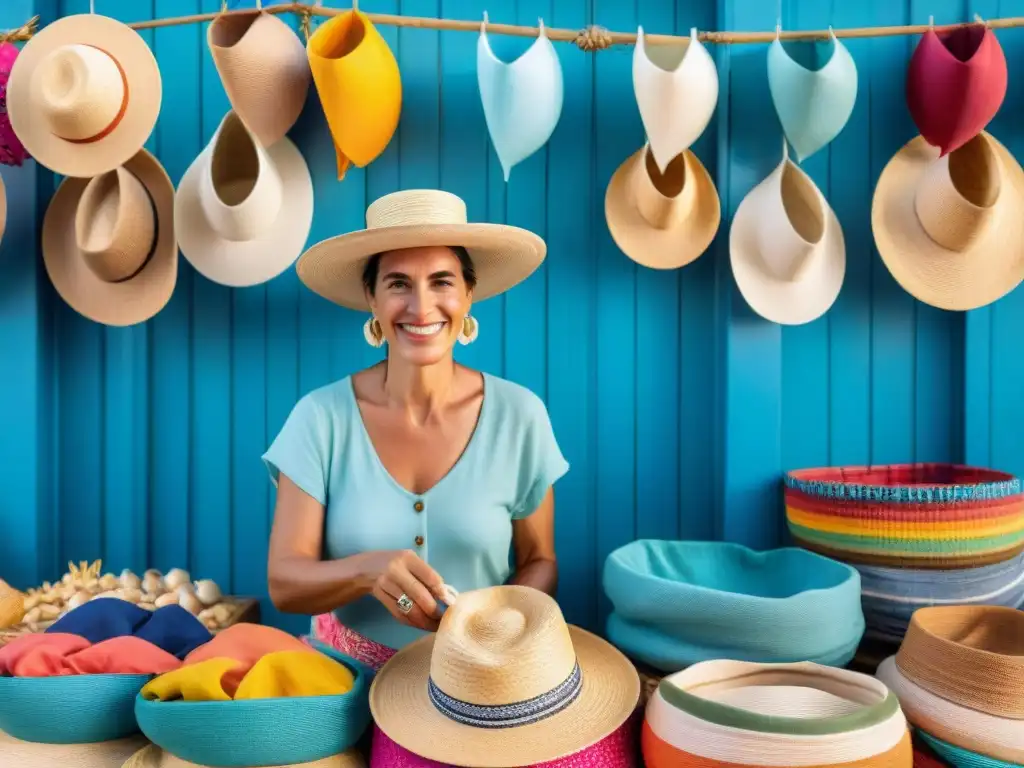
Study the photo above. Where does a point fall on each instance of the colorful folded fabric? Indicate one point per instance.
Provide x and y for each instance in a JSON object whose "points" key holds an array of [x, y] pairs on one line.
{"points": [[677, 603], [729, 713], [171, 627], [247, 644], [152, 756], [47, 655], [15, 753]]}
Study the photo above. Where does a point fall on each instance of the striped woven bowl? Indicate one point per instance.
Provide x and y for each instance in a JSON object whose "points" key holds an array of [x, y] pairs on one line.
{"points": [[907, 515]]}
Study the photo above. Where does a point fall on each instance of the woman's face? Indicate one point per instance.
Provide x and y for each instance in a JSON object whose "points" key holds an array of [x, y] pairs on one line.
{"points": [[420, 301]]}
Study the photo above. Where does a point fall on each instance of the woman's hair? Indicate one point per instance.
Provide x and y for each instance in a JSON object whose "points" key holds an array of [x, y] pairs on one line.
{"points": [[372, 268]]}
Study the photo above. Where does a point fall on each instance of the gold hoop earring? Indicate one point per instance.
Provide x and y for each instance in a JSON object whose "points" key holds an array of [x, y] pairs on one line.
{"points": [[373, 333], [470, 330]]}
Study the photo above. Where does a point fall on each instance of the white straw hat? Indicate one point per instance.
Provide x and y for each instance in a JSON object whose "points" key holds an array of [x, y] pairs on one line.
{"points": [[153, 756], [84, 94], [502, 255], [503, 682], [950, 229], [15, 753], [242, 212], [786, 247]]}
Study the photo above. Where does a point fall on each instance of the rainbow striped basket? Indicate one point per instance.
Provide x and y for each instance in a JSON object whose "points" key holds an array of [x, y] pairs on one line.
{"points": [[907, 515]]}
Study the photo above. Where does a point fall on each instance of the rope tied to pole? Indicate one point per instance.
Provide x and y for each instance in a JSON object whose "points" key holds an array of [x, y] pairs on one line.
{"points": [[593, 38]]}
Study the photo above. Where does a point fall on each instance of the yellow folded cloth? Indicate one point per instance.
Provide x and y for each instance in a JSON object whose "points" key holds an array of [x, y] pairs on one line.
{"points": [[196, 682]]}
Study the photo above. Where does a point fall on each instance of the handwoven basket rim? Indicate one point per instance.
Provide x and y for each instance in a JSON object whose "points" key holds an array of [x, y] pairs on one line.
{"points": [[832, 477]]}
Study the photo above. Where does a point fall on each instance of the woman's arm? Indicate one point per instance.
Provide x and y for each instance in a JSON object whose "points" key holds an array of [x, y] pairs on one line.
{"points": [[533, 539]]}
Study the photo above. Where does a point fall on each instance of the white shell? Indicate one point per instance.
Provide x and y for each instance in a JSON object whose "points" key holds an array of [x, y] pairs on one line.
{"points": [[168, 598], [129, 580], [191, 603], [79, 598], [153, 584], [176, 577], [208, 591]]}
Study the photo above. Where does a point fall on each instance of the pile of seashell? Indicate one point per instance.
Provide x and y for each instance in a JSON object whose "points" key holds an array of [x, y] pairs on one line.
{"points": [[84, 582]]}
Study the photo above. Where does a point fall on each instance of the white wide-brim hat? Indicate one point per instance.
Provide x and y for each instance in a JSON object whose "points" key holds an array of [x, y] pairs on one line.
{"points": [[104, 754], [84, 95], [950, 229], [786, 247], [243, 212], [502, 255]]}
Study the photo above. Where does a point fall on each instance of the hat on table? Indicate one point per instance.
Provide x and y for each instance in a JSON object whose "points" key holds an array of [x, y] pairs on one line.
{"points": [[84, 95], [103, 754], [151, 756]]}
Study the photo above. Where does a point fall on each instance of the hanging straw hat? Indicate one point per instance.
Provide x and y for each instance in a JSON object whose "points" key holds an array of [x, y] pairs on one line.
{"points": [[84, 95], [786, 247], [108, 242], [950, 229], [263, 67], [152, 756], [503, 255], [662, 220], [503, 682], [102, 754], [242, 212]]}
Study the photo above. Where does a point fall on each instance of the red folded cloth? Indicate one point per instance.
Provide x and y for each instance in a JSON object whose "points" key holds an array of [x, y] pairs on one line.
{"points": [[57, 654]]}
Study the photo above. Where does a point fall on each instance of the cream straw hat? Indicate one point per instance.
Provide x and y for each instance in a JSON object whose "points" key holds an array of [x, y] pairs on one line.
{"points": [[15, 753], [502, 255], [84, 95], [950, 229], [152, 756], [503, 682]]}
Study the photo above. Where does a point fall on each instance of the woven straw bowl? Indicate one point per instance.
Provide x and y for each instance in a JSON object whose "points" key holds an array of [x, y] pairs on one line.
{"points": [[70, 709], [261, 732]]}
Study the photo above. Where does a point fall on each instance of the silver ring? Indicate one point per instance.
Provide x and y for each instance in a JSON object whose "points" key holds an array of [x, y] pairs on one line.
{"points": [[404, 603]]}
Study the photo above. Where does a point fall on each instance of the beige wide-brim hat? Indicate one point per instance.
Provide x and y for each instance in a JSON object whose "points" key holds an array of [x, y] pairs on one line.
{"points": [[108, 242], [505, 645], [786, 248], [950, 230], [105, 754], [502, 255], [153, 756], [84, 95], [662, 220]]}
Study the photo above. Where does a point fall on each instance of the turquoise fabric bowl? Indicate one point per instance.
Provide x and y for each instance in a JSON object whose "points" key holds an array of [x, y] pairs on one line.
{"points": [[261, 732], [70, 709], [724, 600]]}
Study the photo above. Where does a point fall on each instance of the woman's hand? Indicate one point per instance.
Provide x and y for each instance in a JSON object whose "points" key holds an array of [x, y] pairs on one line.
{"points": [[405, 573]]}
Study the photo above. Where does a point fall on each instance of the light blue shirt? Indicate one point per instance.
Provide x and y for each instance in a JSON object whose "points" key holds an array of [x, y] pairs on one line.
{"points": [[464, 521]]}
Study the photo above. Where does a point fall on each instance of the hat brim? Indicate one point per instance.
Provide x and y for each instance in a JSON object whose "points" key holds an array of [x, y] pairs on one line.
{"points": [[144, 88], [250, 262], [152, 756], [987, 270], [786, 302], [102, 754], [402, 709], [130, 301], [662, 248], [502, 255]]}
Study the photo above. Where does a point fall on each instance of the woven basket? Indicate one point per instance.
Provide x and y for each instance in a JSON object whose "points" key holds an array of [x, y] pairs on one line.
{"points": [[907, 515]]}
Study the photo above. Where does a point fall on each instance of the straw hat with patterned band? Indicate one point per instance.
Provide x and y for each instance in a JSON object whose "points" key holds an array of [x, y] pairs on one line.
{"points": [[503, 255], [950, 229], [84, 95], [152, 756], [662, 220], [108, 242], [101, 754], [504, 681]]}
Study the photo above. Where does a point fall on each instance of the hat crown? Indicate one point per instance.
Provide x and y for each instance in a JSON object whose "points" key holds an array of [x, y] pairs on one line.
{"points": [[956, 199], [80, 90], [506, 645], [115, 225], [415, 207], [663, 199], [792, 221]]}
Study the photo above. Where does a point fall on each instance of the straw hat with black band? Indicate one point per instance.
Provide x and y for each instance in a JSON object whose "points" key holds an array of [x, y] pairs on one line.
{"points": [[84, 95], [504, 681]]}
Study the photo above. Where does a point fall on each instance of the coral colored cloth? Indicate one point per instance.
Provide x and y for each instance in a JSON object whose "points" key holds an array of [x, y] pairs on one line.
{"points": [[617, 750], [57, 654]]}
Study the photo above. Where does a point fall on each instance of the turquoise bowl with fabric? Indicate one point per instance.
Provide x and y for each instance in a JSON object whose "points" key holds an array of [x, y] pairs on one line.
{"points": [[70, 709], [725, 600], [261, 732]]}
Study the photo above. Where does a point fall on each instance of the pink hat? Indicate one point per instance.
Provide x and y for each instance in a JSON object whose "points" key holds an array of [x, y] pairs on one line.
{"points": [[11, 150]]}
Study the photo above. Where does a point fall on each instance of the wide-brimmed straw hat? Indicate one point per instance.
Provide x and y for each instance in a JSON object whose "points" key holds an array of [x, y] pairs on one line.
{"points": [[504, 681], [243, 212], [503, 255], [152, 756], [108, 242], [950, 229], [101, 754], [84, 94], [263, 67], [662, 220]]}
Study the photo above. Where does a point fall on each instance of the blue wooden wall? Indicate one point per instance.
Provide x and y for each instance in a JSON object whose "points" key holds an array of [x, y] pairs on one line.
{"points": [[677, 407]]}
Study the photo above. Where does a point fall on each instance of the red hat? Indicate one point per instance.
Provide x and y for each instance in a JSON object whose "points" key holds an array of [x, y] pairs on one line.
{"points": [[956, 83]]}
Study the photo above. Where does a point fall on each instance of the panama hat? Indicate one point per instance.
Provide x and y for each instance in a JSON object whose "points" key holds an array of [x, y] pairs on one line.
{"points": [[84, 95], [502, 255], [786, 247], [504, 681], [263, 67], [949, 228], [151, 756], [108, 242], [243, 212], [662, 220]]}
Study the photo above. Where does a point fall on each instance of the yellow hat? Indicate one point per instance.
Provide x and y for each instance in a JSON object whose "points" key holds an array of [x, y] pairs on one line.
{"points": [[360, 88]]}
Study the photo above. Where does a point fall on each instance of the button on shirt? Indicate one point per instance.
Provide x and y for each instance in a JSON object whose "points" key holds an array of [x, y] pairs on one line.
{"points": [[462, 526]]}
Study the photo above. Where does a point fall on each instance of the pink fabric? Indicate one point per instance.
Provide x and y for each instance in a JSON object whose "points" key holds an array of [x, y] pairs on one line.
{"points": [[51, 654], [11, 150], [618, 750]]}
